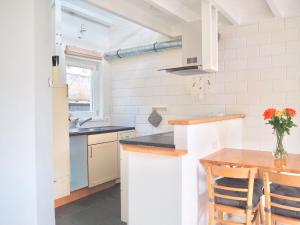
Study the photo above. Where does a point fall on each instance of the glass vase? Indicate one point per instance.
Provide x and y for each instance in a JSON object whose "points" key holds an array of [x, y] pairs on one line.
{"points": [[280, 152]]}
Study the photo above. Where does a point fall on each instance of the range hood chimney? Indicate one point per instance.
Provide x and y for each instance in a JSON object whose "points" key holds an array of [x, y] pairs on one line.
{"points": [[199, 44]]}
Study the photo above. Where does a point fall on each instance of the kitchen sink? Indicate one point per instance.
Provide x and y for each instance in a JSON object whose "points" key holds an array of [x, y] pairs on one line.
{"points": [[90, 129]]}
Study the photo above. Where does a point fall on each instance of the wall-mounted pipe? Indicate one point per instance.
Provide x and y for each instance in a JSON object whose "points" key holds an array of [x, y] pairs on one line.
{"points": [[155, 47]]}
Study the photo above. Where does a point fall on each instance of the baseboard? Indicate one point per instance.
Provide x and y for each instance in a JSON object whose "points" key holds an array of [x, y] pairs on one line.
{"points": [[84, 192]]}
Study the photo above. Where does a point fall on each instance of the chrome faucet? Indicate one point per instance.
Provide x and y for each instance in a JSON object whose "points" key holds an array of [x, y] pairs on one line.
{"points": [[80, 123], [75, 122]]}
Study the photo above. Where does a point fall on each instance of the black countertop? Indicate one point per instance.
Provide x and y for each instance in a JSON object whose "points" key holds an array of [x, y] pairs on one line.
{"points": [[98, 130], [165, 140]]}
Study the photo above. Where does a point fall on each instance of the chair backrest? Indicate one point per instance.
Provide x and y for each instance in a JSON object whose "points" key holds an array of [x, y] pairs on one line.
{"points": [[281, 179], [241, 173]]}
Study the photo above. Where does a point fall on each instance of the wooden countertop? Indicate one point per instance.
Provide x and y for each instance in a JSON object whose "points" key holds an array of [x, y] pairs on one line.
{"points": [[154, 150], [263, 160], [208, 119]]}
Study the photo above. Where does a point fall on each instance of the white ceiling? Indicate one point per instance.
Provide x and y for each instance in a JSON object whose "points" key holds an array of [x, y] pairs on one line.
{"points": [[288, 7], [165, 15], [94, 10]]}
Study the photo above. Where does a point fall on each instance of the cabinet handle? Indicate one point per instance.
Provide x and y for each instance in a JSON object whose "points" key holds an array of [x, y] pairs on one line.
{"points": [[91, 155], [67, 88]]}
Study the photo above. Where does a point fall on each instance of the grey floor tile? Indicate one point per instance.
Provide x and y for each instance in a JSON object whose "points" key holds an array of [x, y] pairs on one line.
{"points": [[102, 208]]}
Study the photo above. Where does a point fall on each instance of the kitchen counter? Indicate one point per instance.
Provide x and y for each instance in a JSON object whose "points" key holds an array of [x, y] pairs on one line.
{"points": [[98, 130], [159, 144], [163, 140]]}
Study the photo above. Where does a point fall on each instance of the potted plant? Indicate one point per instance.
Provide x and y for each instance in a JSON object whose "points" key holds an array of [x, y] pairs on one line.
{"points": [[281, 122]]}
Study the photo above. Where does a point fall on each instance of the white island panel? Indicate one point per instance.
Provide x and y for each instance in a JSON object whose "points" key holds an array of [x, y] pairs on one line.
{"points": [[154, 185]]}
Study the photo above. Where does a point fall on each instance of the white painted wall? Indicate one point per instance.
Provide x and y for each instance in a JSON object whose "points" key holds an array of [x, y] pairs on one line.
{"points": [[43, 112], [26, 160], [259, 68]]}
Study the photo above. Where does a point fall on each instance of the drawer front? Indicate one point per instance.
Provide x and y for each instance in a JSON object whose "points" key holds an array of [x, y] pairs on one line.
{"points": [[102, 138], [126, 134]]}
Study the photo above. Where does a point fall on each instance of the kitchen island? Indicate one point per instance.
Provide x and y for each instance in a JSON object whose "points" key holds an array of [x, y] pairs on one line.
{"points": [[166, 185]]}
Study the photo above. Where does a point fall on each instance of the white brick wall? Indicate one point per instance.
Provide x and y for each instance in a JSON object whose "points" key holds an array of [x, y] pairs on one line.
{"points": [[259, 68]]}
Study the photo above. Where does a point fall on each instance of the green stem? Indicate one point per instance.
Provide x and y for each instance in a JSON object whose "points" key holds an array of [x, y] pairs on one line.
{"points": [[280, 152]]}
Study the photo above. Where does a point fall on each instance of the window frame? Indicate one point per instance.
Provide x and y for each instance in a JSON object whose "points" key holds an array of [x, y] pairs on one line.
{"points": [[97, 92]]}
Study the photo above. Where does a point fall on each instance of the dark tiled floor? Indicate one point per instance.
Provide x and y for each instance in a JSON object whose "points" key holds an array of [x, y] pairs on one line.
{"points": [[102, 208]]}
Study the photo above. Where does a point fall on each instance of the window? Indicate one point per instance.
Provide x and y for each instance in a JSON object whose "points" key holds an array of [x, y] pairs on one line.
{"points": [[84, 87], [79, 82]]}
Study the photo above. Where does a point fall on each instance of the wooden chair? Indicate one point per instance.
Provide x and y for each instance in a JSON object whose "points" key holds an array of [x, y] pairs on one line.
{"points": [[282, 198], [231, 191]]}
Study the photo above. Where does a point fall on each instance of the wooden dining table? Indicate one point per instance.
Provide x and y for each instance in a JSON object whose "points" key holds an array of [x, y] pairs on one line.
{"points": [[263, 160]]}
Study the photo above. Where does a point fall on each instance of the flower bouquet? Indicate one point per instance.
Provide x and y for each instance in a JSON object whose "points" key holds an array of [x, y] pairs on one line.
{"points": [[281, 122]]}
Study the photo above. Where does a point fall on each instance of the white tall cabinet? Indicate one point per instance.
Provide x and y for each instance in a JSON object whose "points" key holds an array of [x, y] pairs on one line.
{"points": [[61, 152], [61, 142]]}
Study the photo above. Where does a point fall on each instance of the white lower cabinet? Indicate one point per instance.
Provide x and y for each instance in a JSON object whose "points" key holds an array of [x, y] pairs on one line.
{"points": [[102, 163]]}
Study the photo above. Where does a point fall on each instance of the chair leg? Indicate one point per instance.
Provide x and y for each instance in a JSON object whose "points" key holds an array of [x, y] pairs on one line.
{"points": [[274, 222], [248, 217], [211, 214], [220, 216], [268, 220], [261, 213], [257, 220]]}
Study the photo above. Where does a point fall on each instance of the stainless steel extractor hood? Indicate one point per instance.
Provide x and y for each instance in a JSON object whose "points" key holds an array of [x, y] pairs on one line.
{"points": [[185, 70], [199, 44]]}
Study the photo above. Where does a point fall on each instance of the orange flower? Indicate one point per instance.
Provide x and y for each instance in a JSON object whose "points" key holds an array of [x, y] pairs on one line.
{"points": [[290, 112], [269, 113], [279, 113]]}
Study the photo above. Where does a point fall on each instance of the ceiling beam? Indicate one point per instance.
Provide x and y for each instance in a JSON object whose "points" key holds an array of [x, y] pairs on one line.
{"points": [[228, 11], [274, 8], [85, 14], [142, 16], [175, 8]]}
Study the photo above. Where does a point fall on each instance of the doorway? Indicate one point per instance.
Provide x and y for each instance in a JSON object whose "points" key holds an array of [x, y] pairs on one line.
{"points": [[83, 196]]}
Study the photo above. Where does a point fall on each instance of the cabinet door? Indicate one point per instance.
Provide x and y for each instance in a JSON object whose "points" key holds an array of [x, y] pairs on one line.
{"points": [[103, 163]]}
